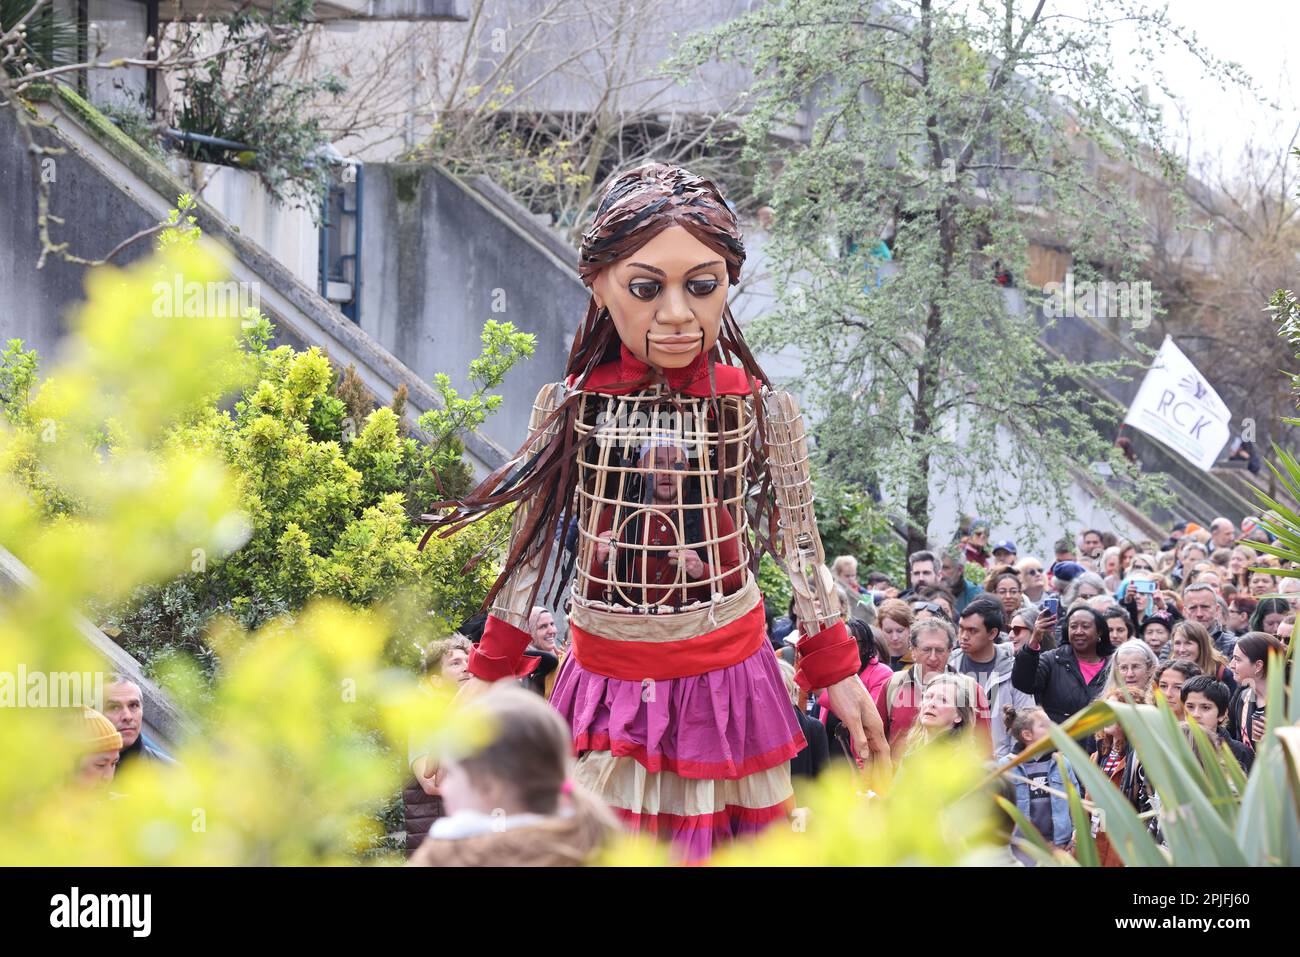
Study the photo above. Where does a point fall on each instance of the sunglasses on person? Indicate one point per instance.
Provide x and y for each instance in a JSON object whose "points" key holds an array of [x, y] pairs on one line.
{"points": [[1135, 567], [929, 606], [1031, 571]]}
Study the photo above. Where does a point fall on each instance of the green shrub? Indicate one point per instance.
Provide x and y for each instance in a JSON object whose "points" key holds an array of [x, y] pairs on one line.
{"points": [[328, 501]]}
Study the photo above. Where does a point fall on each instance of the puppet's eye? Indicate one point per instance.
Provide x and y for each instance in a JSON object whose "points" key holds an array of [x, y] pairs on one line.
{"points": [[702, 287], [645, 290]]}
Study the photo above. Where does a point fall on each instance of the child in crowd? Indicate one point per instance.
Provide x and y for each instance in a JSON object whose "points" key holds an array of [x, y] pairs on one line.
{"points": [[1040, 785], [1119, 762], [1205, 701], [512, 802]]}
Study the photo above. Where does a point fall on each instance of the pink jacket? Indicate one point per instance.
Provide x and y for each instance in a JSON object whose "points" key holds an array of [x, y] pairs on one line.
{"points": [[875, 676]]}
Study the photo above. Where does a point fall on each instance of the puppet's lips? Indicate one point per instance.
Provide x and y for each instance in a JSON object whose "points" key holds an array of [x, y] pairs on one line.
{"points": [[677, 343]]}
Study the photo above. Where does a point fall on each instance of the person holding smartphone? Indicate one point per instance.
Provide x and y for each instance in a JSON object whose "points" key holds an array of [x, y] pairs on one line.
{"points": [[1050, 608], [1250, 667], [1141, 597], [1067, 678]]}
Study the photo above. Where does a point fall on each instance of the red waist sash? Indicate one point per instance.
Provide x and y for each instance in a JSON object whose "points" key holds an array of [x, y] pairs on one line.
{"points": [[660, 660]]}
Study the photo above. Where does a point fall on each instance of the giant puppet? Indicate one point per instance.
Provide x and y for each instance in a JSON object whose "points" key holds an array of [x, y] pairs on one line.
{"points": [[652, 473]]}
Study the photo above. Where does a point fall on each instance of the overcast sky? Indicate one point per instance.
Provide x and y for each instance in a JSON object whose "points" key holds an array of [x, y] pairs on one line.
{"points": [[1208, 121], [1258, 34]]}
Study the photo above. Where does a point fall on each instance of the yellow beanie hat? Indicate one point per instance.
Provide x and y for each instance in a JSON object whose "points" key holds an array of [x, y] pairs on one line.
{"points": [[99, 733]]}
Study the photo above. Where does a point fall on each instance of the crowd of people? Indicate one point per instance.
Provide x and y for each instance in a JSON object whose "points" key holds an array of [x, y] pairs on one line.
{"points": [[998, 656], [1193, 620]]}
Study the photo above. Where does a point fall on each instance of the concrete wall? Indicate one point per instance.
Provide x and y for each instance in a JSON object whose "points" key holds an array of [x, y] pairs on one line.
{"points": [[34, 303], [609, 54], [110, 188], [587, 54], [163, 720], [1033, 526], [442, 258], [288, 233]]}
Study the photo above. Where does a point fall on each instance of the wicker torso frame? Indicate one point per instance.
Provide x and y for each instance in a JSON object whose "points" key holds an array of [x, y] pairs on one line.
{"points": [[703, 449], [649, 473]]}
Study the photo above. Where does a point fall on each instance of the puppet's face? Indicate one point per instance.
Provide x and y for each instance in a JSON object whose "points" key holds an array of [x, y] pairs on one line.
{"points": [[666, 298]]}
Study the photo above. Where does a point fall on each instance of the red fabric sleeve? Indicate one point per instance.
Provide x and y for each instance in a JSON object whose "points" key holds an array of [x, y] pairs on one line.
{"points": [[595, 590], [497, 654], [826, 657], [728, 552]]}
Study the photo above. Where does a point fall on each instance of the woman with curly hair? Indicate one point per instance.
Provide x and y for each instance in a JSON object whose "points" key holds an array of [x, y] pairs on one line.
{"points": [[1115, 756]]}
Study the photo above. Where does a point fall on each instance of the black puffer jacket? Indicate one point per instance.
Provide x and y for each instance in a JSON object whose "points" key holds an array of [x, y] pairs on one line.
{"points": [[1054, 679], [420, 811]]}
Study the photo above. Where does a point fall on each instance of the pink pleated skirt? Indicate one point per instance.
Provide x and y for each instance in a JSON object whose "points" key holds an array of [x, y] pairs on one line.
{"points": [[700, 760]]}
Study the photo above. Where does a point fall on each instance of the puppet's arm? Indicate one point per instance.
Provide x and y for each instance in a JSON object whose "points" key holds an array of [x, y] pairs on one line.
{"points": [[505, 637], [827, 654], [815, 599]]}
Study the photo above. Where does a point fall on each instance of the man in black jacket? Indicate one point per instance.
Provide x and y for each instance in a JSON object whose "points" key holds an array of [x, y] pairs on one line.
{"points": [[124, 706]]}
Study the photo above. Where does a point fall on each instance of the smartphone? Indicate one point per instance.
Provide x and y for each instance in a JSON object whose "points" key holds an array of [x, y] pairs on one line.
{"points": [[1144, 586], [1051, 605]]}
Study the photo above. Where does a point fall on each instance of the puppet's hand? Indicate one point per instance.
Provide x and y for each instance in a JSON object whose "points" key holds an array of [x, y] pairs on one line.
{"points": [[470, 689], [853, 705]]}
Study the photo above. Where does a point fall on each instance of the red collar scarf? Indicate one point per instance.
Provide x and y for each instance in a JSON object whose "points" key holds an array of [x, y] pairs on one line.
{"points": [[628, 373]]}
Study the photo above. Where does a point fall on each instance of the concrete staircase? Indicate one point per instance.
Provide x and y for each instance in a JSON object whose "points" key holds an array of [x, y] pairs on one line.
{"points": [[164, 722], [1200, 496], [110, 187]]}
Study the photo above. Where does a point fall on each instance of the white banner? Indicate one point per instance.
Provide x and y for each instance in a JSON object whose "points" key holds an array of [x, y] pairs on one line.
{"points": [[1178, 408]]}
